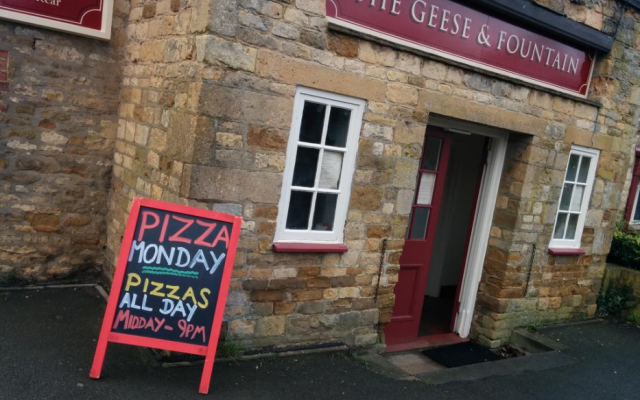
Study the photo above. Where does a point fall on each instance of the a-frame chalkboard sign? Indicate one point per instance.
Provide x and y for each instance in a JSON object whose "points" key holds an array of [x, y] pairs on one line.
{"points": [[171, 282]]}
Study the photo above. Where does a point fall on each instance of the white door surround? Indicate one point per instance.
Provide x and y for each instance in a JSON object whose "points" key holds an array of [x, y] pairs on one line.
{"points": [[483, 216]]}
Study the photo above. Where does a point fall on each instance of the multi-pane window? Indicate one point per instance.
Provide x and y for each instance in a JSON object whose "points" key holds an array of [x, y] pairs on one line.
{"points": [[319, 167], [635, 211], [574, 198], [429, 172]]}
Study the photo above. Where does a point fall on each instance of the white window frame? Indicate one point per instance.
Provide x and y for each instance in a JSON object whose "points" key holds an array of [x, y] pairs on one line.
{"points": [[575, 243], [633, 209], [335, 236]]}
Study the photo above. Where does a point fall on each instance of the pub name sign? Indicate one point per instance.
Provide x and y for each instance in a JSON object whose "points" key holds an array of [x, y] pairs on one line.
{"points": [[83, 17], [463, 34]]}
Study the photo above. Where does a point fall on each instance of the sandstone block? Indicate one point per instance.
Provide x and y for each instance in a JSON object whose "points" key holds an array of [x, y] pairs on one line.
{"points": [[43, 222], [297, 72], [343, 45], [241, 328], [265, 138], [213, 50], [365, 198], [270, 326], [221, 184]]}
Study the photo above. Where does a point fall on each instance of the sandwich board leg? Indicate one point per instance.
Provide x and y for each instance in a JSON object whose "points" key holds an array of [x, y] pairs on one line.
{"points": [[207, 371], [98, 359]]}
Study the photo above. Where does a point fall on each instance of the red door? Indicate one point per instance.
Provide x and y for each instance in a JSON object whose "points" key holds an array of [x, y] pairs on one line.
{"points": [[418, 246]]}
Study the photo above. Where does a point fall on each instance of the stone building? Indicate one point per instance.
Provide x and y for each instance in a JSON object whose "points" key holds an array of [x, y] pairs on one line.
{"points": [[430, 193]]}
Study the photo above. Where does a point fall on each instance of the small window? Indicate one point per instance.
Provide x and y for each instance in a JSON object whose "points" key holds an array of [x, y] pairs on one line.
{"points": [[635, 211], [321, 157], [574, 198], [632, 210]]}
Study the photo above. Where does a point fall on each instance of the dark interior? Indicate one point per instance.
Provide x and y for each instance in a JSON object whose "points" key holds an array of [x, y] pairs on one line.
{"points": [[466, 163]]}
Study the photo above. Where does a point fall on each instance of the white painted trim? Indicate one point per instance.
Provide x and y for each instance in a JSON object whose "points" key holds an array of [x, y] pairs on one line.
{"points": [[463, 60], [575, 243], [356, 106], [66, 26], [489, 186], [633, 209]]}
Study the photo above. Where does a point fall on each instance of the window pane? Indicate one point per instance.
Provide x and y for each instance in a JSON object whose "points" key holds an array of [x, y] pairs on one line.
{"points": [[584, 170], [571, 228], [566, 196], [330, 170], [304, 172], [576, 200], [432, 153], [636, 212], [420, 221], [312, 122], [299, 209], [325, 212], [560, 225], [572, 168], [338, 127], [425, 192]]}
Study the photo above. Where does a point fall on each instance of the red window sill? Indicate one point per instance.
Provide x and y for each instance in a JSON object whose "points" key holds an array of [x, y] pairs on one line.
{"points": [[309, 248], [566, 252]]}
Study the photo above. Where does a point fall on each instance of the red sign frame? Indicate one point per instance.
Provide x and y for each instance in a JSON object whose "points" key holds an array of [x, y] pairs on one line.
{"points": [[467, 35], [85, 17], [106, 334]]}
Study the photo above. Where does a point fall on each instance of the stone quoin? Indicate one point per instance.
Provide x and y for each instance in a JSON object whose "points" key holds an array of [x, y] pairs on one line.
{"points": [[409, 169]]}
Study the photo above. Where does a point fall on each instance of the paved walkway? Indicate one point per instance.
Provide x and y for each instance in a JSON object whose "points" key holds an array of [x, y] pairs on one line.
{"points": [[47, 340]]}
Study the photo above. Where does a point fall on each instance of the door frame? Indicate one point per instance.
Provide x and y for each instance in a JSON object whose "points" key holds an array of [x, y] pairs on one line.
{"points": [[483, 215]]}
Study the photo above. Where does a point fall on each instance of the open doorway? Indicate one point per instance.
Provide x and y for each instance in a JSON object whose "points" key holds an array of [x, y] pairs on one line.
{"points": [[459, 199], [458, 177]]}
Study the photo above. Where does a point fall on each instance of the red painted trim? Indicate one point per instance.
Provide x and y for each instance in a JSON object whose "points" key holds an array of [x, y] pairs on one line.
{"points": [[209, 351], [222, 299], [631, 198], [426, 342], [309, 248], [566, 252], [635, 179], [404, 324], [161, 344]]}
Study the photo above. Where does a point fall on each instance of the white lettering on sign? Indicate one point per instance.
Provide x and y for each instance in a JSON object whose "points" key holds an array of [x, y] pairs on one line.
{"points": [[442, 19], [50, 2]]}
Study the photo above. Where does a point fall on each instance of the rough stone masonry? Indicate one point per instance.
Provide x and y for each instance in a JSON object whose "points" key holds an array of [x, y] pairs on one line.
{"points": [[59, 97], [205, 105]]}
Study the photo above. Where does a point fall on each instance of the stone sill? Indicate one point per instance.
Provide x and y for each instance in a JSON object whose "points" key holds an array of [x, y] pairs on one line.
{"points": [[566, 252], [309, 248]]}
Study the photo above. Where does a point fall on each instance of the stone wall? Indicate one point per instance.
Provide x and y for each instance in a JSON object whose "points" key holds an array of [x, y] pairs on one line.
{"points": [[616, 276], [602, 15], [206, 109], [58, 101], [522, 283]]}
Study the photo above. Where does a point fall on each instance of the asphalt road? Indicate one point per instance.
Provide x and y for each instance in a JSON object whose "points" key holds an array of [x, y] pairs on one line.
{"points": [[47, 340]]}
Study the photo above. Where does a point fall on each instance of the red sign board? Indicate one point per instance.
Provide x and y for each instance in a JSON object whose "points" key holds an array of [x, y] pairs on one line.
{"points": [[171, 282], [464, 34], [85, 17]]}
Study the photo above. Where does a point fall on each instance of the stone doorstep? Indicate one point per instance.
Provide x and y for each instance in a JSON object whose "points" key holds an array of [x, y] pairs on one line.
{"points": [[533, 342], [542, 353], [413, 363], [510, 366], [436, 374]]}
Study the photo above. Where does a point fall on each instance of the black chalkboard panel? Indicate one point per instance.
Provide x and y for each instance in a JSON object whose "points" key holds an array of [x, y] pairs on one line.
{"points": [[173, 275]]}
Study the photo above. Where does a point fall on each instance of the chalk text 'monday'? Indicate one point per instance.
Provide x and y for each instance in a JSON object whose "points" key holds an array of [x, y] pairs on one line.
{"points": [[175, 256]]}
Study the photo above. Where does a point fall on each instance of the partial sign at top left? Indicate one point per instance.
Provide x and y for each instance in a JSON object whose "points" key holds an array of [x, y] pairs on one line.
{"points": [[82, 17]]}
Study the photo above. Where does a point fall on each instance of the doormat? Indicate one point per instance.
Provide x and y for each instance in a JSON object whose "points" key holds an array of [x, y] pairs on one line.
{"points": [[460, 354]]}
